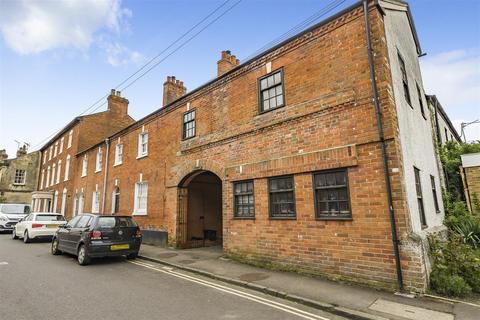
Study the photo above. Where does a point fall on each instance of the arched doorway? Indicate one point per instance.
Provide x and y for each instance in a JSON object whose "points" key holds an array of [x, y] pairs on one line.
{"points": [[200, 210]]}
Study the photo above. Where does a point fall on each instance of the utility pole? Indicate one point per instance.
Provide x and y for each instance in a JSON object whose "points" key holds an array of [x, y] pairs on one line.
{"points": [[463, 125]]}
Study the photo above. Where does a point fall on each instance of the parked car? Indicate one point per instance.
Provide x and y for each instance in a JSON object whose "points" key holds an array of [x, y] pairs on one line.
{"points": [[93, 236], [11, 213], [38, 225]]}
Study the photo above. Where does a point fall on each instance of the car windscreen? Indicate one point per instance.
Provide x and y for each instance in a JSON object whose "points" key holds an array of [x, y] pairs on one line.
{"points": [[14, 209], [49, 217], [112, 222]]}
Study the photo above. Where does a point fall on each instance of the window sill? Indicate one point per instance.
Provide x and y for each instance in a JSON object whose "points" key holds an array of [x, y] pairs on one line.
{"points": [[83, 176], [325, 218], [97, 171], [189, 138], [139, 213], [243, 218], [260, 111], [117, 164], [140, 156], [282, 218], [438, 211], [18, 184]]}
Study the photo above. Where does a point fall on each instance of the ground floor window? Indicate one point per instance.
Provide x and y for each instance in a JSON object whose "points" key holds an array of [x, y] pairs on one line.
{"points": [[331, 195], [281, 197], [95, 202], [418, 187], [141, 189], [244, 204], [115, 200]]}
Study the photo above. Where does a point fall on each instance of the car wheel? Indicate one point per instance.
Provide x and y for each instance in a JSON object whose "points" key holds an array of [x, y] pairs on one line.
{"points": [[132, 256], [82, 257], [26, 239], [55, 250], [14, 235]]}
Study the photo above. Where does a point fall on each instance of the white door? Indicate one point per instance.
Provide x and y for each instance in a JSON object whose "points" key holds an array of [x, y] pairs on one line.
{"points": [[80, 204], [64, 202]]}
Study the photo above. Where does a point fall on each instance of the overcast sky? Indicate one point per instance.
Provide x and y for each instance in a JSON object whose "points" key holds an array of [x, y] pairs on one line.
{"points": [[59, 57]]}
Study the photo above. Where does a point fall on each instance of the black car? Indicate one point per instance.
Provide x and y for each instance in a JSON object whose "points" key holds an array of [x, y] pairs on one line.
{"points": [[93, 236]]}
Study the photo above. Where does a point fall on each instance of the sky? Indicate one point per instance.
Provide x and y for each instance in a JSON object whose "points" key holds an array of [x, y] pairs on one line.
{"points": [[57, 58]]}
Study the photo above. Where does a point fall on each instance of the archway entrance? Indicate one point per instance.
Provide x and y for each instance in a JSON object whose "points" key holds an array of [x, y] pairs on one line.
{"points": [[200, 210]]}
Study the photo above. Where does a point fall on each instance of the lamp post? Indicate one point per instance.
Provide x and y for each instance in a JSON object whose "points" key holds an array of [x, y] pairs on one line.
{"points": [[463, 125]]}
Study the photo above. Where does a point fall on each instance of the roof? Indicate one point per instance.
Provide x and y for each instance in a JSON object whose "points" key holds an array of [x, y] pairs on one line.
{"points": [[61, 132], [470, 160], [443, 114]]}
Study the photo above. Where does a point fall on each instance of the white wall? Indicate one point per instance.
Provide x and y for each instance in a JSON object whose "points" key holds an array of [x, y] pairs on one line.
{"points": [[416, 137]]}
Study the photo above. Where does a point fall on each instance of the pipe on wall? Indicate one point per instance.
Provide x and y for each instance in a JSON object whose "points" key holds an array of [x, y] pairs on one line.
{"points": [[383, 146]]}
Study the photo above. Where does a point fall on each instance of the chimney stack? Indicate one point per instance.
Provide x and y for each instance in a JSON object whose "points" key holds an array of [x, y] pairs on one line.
{"points": [[22, 151], [3, 155], [172, 90], [226, 63], [116, 103]]}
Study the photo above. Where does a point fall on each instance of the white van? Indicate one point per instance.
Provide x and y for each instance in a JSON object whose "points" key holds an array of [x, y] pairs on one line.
{"points": [[10, 213]]}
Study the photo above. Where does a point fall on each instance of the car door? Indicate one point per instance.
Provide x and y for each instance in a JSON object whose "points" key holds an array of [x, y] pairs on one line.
{"points": [[63, 235], [21, 225], [78, 230]]}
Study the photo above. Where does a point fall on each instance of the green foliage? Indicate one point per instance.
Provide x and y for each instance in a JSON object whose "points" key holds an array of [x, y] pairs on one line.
{"points": [[450, 155], [475, 203], [3, 199], [469, 230], [456, 266]]}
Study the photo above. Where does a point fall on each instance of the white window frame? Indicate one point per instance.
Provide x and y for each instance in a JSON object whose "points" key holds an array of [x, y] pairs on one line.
{"points": [[50, 153], [22, 183], [95, 201], [137, 201], [54, 166], [45, 157], [98, 162], [142, 142], [61, 145], [48, 178], [42, 179], [55, 152], [67, 168], [118, 154], [84, 166], [59, 170], [64, 202], [70, 137], [55, 201]]}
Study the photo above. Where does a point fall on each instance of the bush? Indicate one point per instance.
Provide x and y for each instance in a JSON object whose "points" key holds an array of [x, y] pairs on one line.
{"points": [[456, 268]]}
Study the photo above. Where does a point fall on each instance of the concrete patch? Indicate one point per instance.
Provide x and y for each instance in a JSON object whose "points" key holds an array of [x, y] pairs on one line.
{"points": [[249, 277], [186, 261], [167, 255], [408, 312]]}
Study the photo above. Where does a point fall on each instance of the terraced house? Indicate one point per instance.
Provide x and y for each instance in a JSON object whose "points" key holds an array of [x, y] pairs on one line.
{"points": [[316, 155]]}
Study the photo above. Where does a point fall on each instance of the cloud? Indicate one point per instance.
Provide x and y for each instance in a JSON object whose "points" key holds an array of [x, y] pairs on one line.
{"points": [[30, 27], [454, 77], [118, 55]]}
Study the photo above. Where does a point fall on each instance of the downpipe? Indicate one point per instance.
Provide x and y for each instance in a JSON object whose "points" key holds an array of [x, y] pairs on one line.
{"points": [[383, 146], [107, 156]]}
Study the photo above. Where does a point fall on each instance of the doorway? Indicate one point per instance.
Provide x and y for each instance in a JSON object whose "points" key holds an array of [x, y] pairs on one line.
{"points": [[200, 210]]}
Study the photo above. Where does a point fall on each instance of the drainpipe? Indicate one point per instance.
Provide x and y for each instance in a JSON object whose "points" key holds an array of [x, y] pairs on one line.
{"points": [[383, 146], [107, 142]]}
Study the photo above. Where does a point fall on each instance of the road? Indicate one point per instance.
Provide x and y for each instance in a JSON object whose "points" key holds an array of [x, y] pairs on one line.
{"points": [[35, 285]]}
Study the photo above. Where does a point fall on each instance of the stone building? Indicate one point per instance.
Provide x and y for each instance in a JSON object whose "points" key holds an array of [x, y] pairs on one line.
{"points": [[18, 176], [56, 180], [316, 155]]}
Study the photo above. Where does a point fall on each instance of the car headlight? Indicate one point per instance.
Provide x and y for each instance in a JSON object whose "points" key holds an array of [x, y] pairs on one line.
{"points": [[3, 218]]}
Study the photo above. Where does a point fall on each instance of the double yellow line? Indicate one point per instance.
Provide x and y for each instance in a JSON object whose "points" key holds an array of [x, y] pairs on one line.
{"points": [[255, 298]]}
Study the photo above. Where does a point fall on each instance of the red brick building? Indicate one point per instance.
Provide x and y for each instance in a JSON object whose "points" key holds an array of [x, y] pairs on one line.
{"points": [[303, 157]]}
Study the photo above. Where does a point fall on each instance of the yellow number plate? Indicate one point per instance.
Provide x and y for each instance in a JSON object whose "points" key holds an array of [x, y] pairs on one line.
{"points": [[52, 226], [119, 247]]}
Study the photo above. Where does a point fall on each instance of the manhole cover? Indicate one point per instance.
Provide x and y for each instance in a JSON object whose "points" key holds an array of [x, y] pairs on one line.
{"points": [[408, 312], [187, 261], [167, 255], [249, 277]]}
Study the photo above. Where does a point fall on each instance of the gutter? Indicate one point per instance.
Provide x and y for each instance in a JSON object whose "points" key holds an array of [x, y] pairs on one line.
{"points": [[383, 146], [107, 152]]}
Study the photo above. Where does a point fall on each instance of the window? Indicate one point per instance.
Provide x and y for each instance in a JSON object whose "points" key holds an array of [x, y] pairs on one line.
{"points": [[446, 135], [50, 153], [67, 168], [84, 166], [45, 157], [84, 222], [271, 91], [95, 202], [418, 187], [281, 197], [55, 201], [98, 163], [420, 102], [42, 178], [403, 70], [142, 144], [115, 200], [189, 124], [70, 136], [244, 204], [56, 149], [19, 177], [118, 154], [53, 174], [61, 144], [434, 192], [331, 195], [73, 222], [64, 201], [140, 205], [48, 177], [59, 169]]}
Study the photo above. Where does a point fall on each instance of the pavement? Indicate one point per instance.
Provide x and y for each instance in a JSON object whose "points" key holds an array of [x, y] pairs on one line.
{"points": [[342, 299], [35, 285]]}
